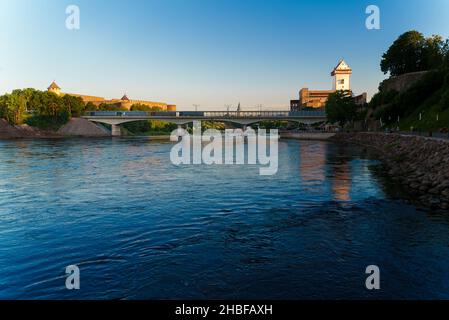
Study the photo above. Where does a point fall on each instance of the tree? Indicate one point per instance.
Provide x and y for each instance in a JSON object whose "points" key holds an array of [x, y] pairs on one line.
{"points": [[434, 52], [13, 107], [405, 54], [413, 52], [48, 110], [140, 107], [90, 106], [111, 107], [75, 105], [446, 54], [340, 107], [4, 107], [144, 107]]}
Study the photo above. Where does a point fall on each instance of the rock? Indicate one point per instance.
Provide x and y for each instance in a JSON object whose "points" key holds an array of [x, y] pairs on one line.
{"points": [[434, 191], [83, 128], [8, 131], [414, 185]]}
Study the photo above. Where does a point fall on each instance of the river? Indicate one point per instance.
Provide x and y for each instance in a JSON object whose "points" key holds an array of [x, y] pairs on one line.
{"points": [[139, 227]]}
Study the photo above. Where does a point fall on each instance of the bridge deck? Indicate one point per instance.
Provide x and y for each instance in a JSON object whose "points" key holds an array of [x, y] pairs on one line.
{"points": [[223, 115]]}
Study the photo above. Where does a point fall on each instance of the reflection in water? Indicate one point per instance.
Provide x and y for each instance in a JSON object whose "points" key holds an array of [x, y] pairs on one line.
{"points": [[141, 228], [312, 162], [314, 156], [341, 184]]}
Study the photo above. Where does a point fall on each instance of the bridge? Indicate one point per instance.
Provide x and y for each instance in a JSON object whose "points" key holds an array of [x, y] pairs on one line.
{"points": [[116, 118]]}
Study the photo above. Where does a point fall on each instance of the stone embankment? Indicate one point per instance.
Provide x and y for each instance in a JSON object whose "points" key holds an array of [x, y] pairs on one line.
{"points": [[76, 127], [80, 127], [420, 164], [24, 131]]}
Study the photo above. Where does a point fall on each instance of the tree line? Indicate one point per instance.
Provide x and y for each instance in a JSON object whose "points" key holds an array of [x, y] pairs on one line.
{"points": [[47, 110], [39, 108]]}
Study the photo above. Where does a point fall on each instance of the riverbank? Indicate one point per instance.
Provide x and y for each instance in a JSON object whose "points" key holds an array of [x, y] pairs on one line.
{"points": [[24, 131], [76, 127], [418, 163]]}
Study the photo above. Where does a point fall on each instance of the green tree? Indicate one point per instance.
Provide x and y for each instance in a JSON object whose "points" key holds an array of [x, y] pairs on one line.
{"points": [[434, 52], [413, 52], [405, 54], [111, 107], [75, 105], [48, 110], [13, 107], [90, 106], [140, 107], [144, 107], [4, 107], [341, 108], [446, 54]]}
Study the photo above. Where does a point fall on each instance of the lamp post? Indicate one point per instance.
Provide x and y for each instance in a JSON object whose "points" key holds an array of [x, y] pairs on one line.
{"points": [[227, 106]]}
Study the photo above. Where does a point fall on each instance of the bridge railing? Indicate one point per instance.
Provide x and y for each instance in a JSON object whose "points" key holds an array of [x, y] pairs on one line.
{"points": [[210, 114]]}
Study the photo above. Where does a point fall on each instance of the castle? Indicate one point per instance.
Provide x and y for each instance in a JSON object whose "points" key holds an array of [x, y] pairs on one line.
{"points": [[124, 102], [317, 98]]}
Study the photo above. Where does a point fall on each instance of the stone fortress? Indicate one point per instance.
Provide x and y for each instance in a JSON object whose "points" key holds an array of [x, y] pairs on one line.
{"points": [[124, 102], [317, 98]]}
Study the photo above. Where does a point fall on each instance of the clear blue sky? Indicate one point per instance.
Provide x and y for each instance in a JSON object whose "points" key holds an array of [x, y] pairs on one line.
{"points": [[207, 52]]}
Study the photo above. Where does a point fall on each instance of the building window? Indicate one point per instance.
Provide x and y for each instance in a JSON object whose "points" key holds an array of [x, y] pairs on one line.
{"points": [[342, 81]]}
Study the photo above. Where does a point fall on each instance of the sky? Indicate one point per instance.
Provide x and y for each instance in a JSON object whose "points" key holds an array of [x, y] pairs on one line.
{"points": [[211, 53]]}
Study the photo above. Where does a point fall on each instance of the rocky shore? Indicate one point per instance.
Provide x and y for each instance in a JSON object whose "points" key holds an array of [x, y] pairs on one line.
{"points": [[419, 163], [80, 127], [24, 131], [76, 127]]}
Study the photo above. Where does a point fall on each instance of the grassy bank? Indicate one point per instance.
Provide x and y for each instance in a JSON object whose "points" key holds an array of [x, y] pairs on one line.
{"points": [[423, 107]]}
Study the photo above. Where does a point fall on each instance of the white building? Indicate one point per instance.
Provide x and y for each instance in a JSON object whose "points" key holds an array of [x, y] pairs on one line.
{"points": [[342, 76]]}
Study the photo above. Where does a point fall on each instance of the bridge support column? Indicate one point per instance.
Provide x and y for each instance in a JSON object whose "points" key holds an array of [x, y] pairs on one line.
{"points": [[115, 130]]}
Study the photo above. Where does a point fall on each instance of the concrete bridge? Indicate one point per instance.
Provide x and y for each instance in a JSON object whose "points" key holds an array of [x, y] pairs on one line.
{"points": [[116, 118]]}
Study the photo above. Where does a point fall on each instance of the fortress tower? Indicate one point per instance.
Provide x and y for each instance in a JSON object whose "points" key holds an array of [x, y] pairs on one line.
{"points": [[342, 76], [54, 88]]}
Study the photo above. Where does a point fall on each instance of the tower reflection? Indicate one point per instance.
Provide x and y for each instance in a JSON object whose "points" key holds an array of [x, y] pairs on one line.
{"points": [[324, 168]]}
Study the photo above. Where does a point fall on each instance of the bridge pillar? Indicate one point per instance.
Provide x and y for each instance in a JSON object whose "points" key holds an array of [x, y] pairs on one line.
{"points": [[115, 130]]}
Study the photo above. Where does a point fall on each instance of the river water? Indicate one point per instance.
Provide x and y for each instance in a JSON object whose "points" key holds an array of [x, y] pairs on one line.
{"points": [[139, 227]]}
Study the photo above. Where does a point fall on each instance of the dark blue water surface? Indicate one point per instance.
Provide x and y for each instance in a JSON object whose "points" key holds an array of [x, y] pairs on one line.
{"points": [[139, 227]]}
